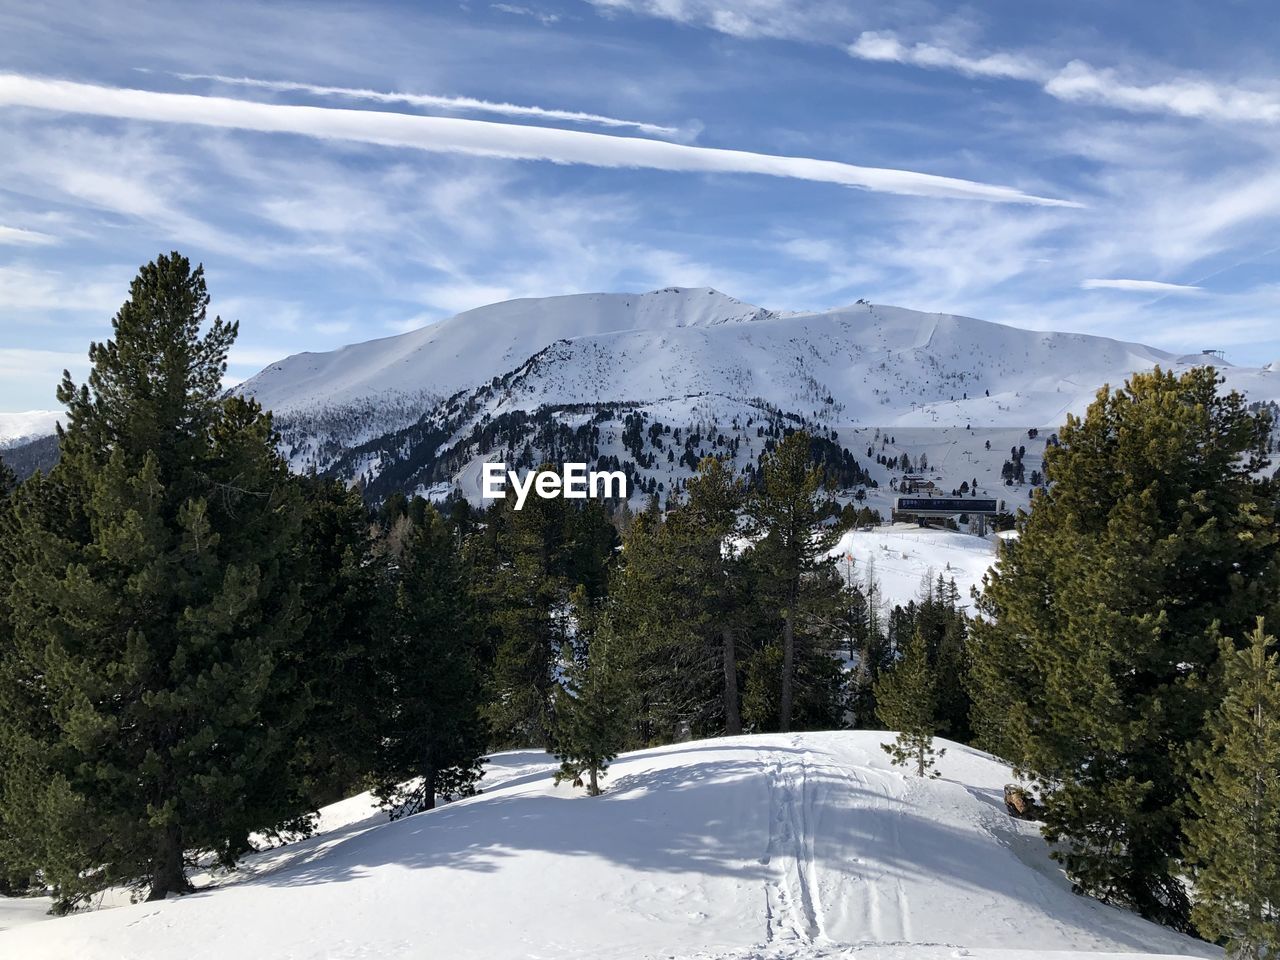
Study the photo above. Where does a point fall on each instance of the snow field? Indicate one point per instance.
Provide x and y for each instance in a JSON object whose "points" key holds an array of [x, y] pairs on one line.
{"points": [[773, 846]]}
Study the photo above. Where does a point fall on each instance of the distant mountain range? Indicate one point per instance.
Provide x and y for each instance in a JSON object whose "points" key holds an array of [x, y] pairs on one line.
{"points": [[650, 382]]}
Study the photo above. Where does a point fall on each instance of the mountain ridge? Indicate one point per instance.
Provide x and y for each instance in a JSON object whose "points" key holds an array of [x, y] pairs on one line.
{"points": [[652, 382]]}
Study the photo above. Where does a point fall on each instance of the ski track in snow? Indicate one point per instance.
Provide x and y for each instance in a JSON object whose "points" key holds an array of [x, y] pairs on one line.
{"points": [[778, 847]]}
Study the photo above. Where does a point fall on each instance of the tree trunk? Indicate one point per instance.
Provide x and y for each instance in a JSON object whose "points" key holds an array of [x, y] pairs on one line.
{"points": [[168, 874], [788, 663], [594, 788], [428, 785], [732, 716]]}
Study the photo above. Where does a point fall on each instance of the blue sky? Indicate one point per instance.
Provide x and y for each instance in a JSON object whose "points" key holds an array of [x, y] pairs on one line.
{"points": [[349, 171]]}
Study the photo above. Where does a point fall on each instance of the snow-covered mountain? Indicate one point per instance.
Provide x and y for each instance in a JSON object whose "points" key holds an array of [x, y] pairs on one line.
{"points": [[19, 428], [747, 848], [608, 377], [468, 349], [651, 382]]}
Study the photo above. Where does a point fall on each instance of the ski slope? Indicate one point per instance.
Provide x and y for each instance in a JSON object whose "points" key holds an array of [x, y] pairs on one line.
{"points": [[901, 557], [773, 846]]}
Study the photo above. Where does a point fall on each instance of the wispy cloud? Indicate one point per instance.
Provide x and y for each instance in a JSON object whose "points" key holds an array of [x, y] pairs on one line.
{"points": [[1079, 82], [747, 19], [18, 237], [24, 287], [544, 18], [1139, 286], [484, 138], [438, 102], [1197, 98], [886, 47]]}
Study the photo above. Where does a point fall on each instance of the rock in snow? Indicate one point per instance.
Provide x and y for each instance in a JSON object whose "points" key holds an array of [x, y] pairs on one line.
{"points": [[774, 846]]}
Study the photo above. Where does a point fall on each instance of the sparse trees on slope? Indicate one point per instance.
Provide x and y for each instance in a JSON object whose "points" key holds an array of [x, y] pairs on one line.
{"points": [[1235, 842], [907, 701], [149, 694], [1093, 667]]}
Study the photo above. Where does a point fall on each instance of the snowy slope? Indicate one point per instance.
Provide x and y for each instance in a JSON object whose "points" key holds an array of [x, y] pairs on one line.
{"points": [[468, 349], [752, 847], [863, 364], [16, 428], [962, 391], [902, 556], [880, 366]]}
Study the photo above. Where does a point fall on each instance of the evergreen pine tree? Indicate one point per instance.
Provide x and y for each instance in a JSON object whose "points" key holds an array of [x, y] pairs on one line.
{"points": [[787, 512], [1092, 665], [715, 497], [679, 602], [149, 691], [348, 589], [430, 738], [657, 611], [1234, 844], [590, 713], [526, 593], [907, 701], [523, 568], [869, 648]]}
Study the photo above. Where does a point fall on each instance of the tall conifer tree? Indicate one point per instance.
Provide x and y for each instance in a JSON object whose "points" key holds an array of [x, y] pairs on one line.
{"points": [[1093, 665], [1235, 842], [149, 693], [786, 511], [430, 738]]}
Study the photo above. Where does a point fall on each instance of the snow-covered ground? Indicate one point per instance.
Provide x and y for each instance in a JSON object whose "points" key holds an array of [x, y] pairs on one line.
{"points": [[776, 846], [902, 556]]}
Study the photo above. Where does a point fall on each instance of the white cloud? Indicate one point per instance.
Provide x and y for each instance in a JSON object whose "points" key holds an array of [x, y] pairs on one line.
{"points": [[1079, 82], [814, 20], [483, 138], [436, 102], [29, 288], [546, 19], [18, 237], [886, 47], [1139, 286], [1202, 99], [256, 357], [31, 377]]}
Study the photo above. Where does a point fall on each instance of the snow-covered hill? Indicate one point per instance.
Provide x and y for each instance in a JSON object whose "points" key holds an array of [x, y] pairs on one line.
{"points": [[774, 847]]}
